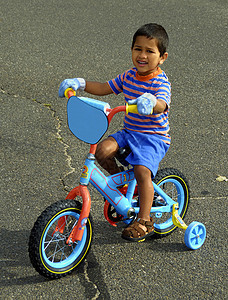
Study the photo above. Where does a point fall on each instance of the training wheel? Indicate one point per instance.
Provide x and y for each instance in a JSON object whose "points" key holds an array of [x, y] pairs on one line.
{"points": [[195, 235]]}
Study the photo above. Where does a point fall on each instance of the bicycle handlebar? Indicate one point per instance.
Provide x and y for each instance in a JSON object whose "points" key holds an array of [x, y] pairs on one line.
{"points": [[110, 112]]}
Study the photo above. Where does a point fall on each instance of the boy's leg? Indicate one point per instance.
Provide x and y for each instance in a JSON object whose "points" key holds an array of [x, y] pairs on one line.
{"points": [[143, 226], [105, 153], [146, 191]]}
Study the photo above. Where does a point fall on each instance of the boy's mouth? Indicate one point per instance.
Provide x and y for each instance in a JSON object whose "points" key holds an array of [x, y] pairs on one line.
{"points": [[141, 62]]}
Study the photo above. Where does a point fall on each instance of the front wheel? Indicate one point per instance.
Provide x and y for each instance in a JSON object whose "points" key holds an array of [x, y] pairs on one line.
{"points": [[175, 185], [49, 253]]}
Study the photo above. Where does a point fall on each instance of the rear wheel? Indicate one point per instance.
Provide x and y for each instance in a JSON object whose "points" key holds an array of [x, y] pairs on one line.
{"points": [[49, 253], [175, 185]]}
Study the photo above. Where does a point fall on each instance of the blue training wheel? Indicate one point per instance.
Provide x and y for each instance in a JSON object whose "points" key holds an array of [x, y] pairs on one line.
{"points": [[195, 235]]}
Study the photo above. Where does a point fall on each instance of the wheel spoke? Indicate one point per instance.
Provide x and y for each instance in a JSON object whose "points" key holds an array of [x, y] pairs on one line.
{"points": [[48, 243], [54, 244], [63, 224], [194, 240], [54, 252], [192, 235], [171, 191], [70, 225], [200, 232]]}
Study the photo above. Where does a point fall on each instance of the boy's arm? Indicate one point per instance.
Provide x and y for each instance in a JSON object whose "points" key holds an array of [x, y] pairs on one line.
{"points": [[92, 87], [160, 106], [163, 95], [98, 88]]}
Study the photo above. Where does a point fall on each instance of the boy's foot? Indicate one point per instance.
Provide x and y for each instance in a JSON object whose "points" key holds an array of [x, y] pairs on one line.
{"points": [[139, 230]]}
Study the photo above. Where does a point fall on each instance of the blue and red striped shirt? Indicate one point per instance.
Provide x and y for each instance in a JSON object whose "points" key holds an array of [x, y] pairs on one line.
{"points": [[133, 85]]}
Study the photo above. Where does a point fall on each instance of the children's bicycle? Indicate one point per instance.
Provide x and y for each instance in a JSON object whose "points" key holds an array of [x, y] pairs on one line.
{"points": [[62, 235]]}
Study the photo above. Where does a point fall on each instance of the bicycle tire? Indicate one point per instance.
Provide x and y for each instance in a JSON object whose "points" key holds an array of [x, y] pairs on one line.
{"points": [[48, 251], [180, 192]]}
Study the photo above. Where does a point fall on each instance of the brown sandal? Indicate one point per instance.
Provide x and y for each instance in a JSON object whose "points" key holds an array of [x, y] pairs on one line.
{"points": [[135, 233]]}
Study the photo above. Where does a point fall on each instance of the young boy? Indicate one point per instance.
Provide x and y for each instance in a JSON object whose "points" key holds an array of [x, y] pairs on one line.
{"points": [[146, 133]]}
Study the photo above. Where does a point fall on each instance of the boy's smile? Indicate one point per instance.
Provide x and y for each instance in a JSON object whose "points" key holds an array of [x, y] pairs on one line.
{"points": [[146, 55]]}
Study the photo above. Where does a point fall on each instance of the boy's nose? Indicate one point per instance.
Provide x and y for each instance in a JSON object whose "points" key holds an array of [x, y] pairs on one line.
{"points": [[143, 54]]}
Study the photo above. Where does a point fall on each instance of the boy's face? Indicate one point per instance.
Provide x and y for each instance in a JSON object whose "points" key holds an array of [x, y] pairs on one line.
{"points": [[146, 56]]}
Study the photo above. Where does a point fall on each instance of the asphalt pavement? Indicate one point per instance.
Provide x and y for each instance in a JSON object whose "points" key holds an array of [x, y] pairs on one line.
{"points": [[44, 42]]}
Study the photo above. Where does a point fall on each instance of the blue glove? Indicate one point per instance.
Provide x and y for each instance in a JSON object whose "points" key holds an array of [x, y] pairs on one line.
{"points": [[75, 84], [145, 103]]}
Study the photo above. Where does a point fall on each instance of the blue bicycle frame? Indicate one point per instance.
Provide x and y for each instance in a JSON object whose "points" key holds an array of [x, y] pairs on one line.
{"points": [[107, 186]]}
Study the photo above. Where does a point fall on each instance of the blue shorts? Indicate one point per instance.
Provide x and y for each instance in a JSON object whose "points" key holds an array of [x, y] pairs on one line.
{"points": [[147, 149]]}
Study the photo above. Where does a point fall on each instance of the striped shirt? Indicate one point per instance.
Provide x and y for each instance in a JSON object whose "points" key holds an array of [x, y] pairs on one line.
{"points": [[133, 85]]}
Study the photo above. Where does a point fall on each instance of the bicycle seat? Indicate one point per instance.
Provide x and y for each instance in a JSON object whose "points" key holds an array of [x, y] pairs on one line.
{"points": [[87, 122], [121, 154]]}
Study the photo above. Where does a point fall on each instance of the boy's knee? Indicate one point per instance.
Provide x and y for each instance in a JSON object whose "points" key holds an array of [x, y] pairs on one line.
{"points": [[100, 152], [106, 149]]}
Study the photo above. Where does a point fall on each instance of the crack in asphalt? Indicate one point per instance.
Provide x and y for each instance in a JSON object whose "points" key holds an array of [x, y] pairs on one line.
{"points": [[61, 141], [58, 134], [65, 147], [91, 282]]}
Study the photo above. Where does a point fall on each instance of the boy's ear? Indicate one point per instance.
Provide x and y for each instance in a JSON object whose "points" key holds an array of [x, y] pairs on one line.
{"points": [[163, 58]]}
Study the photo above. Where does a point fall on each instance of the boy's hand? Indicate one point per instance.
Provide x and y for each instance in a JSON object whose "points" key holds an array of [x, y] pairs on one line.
{"points": [[75, 84], [145, 103]]}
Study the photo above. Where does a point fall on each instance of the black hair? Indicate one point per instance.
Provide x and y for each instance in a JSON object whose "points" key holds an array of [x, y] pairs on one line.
{"points": [[153, 31]]}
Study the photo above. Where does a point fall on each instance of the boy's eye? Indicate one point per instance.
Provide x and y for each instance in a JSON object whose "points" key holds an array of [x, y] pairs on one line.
{"points": [[139, 49]]}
